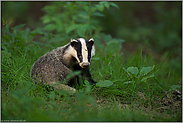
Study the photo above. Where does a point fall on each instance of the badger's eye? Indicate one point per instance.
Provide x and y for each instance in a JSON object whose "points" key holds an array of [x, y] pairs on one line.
{"points": [[79, 56]]}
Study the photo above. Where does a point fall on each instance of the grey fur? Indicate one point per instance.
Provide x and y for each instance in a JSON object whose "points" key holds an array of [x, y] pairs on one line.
{"points": [[49, 68]]}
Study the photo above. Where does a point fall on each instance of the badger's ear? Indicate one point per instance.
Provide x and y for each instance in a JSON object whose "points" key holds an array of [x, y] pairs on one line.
{"points": [[73, 42], [91, 40]]}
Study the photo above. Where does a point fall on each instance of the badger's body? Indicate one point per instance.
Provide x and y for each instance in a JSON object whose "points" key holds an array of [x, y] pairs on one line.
{"points": [[54, 66]]}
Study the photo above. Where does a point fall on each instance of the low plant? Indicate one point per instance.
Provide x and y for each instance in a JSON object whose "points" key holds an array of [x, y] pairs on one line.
{"points": [[140, 76]]}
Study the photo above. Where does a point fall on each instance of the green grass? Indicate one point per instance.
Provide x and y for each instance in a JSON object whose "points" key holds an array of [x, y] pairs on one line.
{"points": [[21, 99]]}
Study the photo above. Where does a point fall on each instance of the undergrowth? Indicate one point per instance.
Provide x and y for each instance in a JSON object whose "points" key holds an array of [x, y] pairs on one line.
{"points": [[22, 100]]}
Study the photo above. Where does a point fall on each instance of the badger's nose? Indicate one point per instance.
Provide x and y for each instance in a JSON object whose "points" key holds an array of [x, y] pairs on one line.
{"points": [[85, 64]]}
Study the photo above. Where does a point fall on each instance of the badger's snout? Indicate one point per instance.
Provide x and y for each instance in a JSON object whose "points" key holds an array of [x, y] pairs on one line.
{"points": [[84, 64]]}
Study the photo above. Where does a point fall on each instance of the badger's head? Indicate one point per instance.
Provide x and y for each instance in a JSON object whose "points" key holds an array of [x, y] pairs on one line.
{"points": [[83, 51]]}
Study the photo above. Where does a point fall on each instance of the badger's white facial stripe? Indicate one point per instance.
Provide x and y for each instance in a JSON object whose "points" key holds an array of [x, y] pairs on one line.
{"points": [[84, 50], [93, 48], [93, 51]]}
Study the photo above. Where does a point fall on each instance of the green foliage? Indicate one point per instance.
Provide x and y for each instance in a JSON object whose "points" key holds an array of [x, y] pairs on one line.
{"points": [[110, 100], [68, 20], [138, 25], [142, 76], [74, 18], [105, 83], [174, 87], [148, 25], [113, 46]]}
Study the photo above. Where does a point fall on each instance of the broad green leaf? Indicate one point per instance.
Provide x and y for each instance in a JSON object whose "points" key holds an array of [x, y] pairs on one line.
{"points": [[71, 28], [179, 96], [46, 19], [81, 30], [133, 70], [50, 27], [86, 7], [105, 3], [99, 7], [105, 83], [146, 70], [174, 87], [93, 9], [113, 4]]}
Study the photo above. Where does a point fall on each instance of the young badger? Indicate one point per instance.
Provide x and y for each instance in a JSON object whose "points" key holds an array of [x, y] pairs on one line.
{"points": [[54, 66]]}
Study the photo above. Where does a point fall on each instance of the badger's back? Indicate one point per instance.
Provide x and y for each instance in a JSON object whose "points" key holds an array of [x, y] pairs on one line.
{"points": [[49, 67]]}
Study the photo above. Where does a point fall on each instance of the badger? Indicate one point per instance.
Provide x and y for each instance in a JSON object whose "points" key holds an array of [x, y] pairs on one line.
{"points": [[55, 66]]}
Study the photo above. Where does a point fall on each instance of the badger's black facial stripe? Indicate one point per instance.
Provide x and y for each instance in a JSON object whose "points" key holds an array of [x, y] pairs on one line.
{"points": [[89, 45], [77, 46]]}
